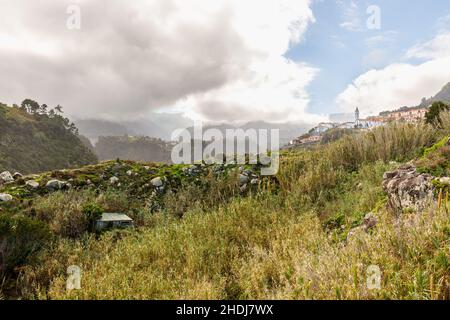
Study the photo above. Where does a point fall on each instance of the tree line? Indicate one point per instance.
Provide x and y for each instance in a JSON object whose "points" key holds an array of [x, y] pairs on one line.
{"points": [[42, 110]]}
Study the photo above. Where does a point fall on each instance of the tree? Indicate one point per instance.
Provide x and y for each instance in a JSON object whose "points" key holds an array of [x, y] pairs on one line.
{"points": [[59, 109], [433, 115], [30, 106], [43, 109]]}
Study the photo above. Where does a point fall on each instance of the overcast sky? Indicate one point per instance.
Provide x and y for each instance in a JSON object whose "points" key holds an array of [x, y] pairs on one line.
{"points": [[272, 60]]}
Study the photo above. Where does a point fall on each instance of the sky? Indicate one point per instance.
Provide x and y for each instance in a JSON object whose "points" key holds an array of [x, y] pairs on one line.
{"points": [[223, 60]]}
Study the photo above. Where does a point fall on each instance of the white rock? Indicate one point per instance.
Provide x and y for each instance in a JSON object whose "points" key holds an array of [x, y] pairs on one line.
{"points": [[17, 175], [445, 181], [113, 180], [157, 182], [4, 197], [129, 173], [254, 181], [6, 176], [32, 184]]}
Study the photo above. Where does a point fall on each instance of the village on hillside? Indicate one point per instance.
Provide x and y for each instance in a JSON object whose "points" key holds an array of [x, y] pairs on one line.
{"points": [[405, 114]]}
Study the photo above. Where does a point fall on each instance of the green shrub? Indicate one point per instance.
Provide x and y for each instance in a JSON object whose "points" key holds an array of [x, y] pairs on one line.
{"points": [[20, 237], [93, 212]]}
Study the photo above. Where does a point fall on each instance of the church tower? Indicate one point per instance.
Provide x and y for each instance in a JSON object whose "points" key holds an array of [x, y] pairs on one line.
{"points": [[357, 117]]}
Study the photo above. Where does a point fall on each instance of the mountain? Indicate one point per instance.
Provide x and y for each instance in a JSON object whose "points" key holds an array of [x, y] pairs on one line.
{"points": [[162, 125], [443, 95], [157, 125], [287, 130], [133, 148], [36, 142]]}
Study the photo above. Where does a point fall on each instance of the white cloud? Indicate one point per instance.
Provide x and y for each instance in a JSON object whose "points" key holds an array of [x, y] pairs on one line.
{"points": [[434, 49], [401, 84], [215, 60], [382, 38]]}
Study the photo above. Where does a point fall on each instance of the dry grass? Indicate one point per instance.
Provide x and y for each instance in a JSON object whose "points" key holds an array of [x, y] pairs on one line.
{"points": [[271, 246]]}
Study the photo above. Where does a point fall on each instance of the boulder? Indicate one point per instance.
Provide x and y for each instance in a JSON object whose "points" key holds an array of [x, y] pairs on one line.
{"points": [[445, 181], [4, 197], [32, 184], [407, 189], [5, 177], [157, 182], [17, 175], [55, 184]]}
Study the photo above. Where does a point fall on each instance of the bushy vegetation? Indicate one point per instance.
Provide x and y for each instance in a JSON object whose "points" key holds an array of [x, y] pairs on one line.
{"points": [[287, 239], [433, 114], [34, 138]]}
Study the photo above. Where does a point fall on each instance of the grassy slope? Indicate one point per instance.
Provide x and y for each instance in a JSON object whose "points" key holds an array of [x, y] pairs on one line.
{"points": [[288, 242], [36, 143]]}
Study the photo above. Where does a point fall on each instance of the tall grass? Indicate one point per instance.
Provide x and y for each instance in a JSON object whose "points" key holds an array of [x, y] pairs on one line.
{"points": [[290, 245], [313, 173], [254, 250]]}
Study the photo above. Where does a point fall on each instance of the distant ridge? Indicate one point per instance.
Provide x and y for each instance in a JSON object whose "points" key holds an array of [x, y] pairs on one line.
{"points": [[443, 95]]}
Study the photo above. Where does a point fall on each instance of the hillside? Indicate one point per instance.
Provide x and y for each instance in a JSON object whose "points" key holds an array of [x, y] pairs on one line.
{"points": [[35, 141], [375, 198], [133, 148], [443, 95]]}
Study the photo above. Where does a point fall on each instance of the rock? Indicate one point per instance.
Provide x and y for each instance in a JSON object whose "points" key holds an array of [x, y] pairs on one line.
{"points": [[254, 182], [129, 173], [157, 182], [32, 184], [243, 179], [113, 180], [445, 181], [370, 221], [5, 177], [17, 175], [408, 189], [4, 197], [354, 231], [243, 188], [55, 185]]}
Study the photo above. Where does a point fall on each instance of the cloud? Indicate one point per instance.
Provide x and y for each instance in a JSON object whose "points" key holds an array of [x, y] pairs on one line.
{"points": [[382, 38], [436, 48], [401, 84], [212, 60]]}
